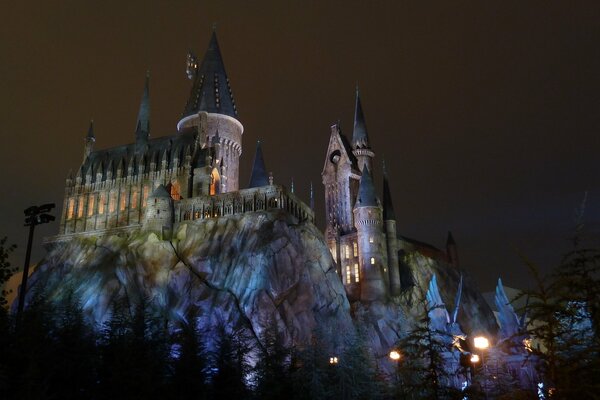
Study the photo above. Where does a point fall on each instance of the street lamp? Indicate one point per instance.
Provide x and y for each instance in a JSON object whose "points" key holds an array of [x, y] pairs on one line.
{"points": [[474, 359], [34, 215], [482, 343]]}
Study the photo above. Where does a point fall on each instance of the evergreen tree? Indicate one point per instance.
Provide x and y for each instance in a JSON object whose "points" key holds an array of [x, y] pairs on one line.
{"points": [[272, 372]]}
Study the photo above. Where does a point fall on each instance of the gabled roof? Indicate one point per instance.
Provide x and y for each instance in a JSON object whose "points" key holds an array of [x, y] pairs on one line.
{"points": [[211, 91], [160, 192], [366, 191], [338, 140], [259, 175]]}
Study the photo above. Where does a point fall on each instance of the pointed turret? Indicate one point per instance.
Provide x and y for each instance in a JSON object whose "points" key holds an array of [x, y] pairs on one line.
{"points": [[366, 190], [389, 220], [259, 175], [451, 251], [388, 206], [90, 139], [211, 91], [360, 139], [142, 128]]}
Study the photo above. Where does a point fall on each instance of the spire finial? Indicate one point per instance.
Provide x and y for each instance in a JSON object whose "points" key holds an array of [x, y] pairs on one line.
{"points": [[292, 189], [312, 197], [360, 138], [214, 26], [259, 175], [143, 119], [90, 134]]}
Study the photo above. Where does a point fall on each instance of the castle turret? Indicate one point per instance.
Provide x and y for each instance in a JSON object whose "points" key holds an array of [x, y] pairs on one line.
{"points": [[368, 220], [389, 219], [452, 251], [360, 138], [90, 139], [259, 175], [211, 108], [142, 127], [159, 212]]}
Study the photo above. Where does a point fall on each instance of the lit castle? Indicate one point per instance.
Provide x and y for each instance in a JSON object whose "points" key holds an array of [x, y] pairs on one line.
{"points": [[155, 184]]}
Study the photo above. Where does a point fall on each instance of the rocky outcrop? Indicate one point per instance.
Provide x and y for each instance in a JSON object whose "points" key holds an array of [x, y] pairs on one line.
{"points": [[252, 270]]}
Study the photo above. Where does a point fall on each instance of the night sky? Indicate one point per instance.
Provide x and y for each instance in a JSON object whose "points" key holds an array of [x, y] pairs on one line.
{"points": [[487, 113]]}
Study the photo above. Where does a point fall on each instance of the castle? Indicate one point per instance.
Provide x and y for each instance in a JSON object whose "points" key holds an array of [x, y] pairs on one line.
{"points": [[155, 184]]}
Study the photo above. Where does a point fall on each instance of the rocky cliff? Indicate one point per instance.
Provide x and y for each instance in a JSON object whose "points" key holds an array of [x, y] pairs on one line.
{"points": [[250, 269]]}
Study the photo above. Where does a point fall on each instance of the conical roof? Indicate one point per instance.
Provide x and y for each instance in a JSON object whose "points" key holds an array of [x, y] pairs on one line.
{"points": [[211, 91], [90, 134], [160, 191], [366, 190], [360, 138], [143, 119], [259, 175]]}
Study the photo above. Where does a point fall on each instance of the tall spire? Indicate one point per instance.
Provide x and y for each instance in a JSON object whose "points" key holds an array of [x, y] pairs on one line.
{"points": [[210, 91], [259, 175], [90, 135], [142, 128], [388, 206], [360, 138], [366, 190]]}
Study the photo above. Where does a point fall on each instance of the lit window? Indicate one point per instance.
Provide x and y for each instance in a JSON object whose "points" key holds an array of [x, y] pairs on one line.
{"points": [[372, 260], [347, 251], [175, 191], [356, 276], [348, 275], [91, 205], [145, 195], [134, 199], [80, 208], [371, 240], [355, 249], [70, 208], [111, 202], [102, 203], [123, 202]]}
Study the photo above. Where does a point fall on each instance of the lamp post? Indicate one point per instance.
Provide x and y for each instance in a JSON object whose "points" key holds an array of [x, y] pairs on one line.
{"points": [[34, 215], [482, 343]]}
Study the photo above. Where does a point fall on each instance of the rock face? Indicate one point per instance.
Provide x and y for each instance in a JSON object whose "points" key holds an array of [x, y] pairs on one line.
{"points": [[254, 269]]}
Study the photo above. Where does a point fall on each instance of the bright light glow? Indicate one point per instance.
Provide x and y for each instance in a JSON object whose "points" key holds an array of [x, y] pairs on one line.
{"points": [[395, 355], [527, 344], [333, 360], [474, 358], [481, 342]]}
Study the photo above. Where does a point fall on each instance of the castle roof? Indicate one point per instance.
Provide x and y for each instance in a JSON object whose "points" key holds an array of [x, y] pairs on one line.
{"points": [[211, 91], [360, 137], [366, 191], [259, 175], [160, 192], [90, 134], [173, 147]]}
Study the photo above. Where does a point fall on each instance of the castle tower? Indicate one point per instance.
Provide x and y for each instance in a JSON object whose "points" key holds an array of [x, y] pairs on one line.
{"points": [[211, 108], [159, 212], [142, 127], [360, 138], [259, 176], [389, 219], [90, 139], [371, 241]]}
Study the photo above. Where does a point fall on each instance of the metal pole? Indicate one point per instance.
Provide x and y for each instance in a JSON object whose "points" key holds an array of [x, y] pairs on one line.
{"points": [[23, 288]]}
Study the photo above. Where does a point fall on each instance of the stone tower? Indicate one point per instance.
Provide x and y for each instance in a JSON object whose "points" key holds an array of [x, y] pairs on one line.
{"points": [[371, 241], [389, 220], [159, 212], [211, 110]]}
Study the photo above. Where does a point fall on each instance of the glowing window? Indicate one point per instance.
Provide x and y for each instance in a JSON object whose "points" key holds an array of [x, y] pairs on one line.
{"points": [[355, 249], [70, 208], [123, 201], [348, 275], [112, 202], [145, 195], [175, 191], [347, 251], [134, 199], [102, 203], [215, 180], [372, 260], [80, 208], [356, 276], [371, 240], [197, 215], [91, 205]]}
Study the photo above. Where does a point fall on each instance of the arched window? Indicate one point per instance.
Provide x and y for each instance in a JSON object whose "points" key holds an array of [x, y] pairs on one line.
{"points": [[102, 203], [356, 276], [355, 248], [372, 260], [123, 202], [215, 182], [91, 205], [70, 208], [112, 202], [134, 199], [348, 275], [80, 207], [145, 193]]}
